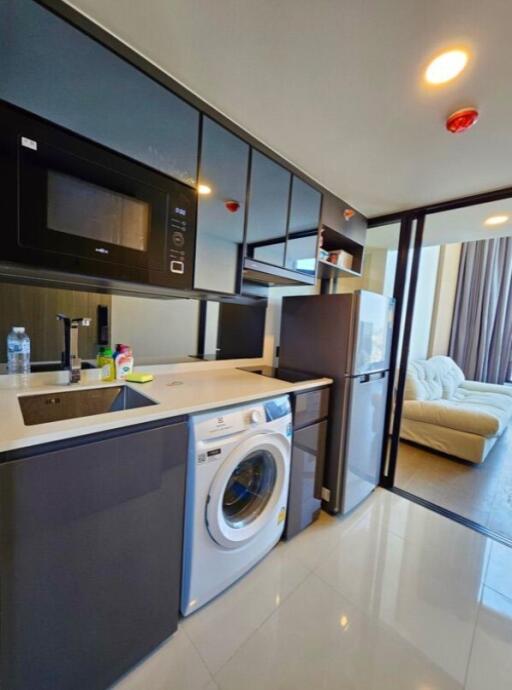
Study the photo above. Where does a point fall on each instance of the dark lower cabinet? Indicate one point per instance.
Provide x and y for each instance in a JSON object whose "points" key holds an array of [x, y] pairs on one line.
{"points": [[90, 557], [308, 455]]}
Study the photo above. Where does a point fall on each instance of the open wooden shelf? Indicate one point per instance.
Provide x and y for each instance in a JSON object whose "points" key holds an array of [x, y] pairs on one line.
{"points": [[328, 270], [332, 241]]}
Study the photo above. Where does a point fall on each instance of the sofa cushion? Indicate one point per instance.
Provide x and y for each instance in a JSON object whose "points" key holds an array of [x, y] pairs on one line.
{"points": [[422, 382], [483, 413], [432, 379], [450, 374]]}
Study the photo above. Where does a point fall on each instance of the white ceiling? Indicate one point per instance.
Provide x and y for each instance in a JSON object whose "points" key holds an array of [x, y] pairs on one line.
{"points": [[461, 225], [335, 86]]}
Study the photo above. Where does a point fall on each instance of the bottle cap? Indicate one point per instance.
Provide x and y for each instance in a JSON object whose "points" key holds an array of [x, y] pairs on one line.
{"points": [[18, 329]]}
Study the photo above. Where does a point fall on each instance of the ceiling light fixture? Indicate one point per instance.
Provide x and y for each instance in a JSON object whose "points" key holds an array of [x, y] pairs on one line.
{"points": [[446, 66], [496, 220], [204, 189]]}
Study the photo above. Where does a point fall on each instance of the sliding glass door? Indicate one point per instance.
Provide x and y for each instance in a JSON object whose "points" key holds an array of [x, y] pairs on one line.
{"points": [[450, 410]]}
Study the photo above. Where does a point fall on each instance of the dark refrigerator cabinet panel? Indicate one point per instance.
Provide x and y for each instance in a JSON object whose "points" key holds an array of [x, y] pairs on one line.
{"points": [[342, 336], [315, 334], [90, 560]]}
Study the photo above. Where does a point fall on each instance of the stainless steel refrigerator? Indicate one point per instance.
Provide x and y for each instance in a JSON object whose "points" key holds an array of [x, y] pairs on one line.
{"points": [[348, 338]]}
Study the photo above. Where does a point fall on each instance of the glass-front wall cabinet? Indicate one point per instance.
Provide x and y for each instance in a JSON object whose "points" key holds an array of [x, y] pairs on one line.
{"points": [[268, 210], [301, 250], [221, 208], [54, 70]]}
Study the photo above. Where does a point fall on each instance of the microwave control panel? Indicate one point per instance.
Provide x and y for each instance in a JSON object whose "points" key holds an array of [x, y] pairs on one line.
{"points": [[180, 231]]}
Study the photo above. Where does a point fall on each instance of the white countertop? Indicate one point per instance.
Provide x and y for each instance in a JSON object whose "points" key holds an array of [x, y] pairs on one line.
{"points": [[176, 394]]}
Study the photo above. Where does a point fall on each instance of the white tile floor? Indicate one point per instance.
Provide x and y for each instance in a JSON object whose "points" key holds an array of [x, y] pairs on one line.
{"points": [[394, 597]]}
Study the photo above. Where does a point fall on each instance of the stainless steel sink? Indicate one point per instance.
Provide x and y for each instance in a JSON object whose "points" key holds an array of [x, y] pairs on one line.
{"points": [[54, 407]]}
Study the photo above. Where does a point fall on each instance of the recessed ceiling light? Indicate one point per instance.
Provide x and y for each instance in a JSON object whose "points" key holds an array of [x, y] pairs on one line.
{"points": [[496, 220], [204, 189], [446, 66]]}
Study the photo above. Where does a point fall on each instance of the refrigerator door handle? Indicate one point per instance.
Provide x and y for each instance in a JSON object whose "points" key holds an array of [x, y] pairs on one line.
{"points": [[366, 378], [378, 375]]}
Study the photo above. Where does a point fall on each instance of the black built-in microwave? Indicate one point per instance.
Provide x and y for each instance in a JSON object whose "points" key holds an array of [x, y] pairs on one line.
{"points": [[69, 204]]}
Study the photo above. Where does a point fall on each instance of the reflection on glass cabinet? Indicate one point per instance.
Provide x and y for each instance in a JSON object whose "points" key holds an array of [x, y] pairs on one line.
{"points": [[54, 70], [221, 210], [160, 331], [301, 249], [268, 210]]}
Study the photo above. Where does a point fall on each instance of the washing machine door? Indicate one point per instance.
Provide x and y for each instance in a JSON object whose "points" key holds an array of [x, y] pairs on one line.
{"points": [[247, 489]]}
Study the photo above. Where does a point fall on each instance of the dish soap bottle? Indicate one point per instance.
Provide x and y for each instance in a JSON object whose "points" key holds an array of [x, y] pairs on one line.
{"points": [[105, 362], [123, 361], [18, 353]]}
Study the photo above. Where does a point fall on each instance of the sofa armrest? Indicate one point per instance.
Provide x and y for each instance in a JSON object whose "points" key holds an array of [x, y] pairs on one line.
{"points": [[480, 387]]}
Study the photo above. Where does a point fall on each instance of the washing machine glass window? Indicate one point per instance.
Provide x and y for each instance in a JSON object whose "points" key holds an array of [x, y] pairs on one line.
{"points": [[245, 495], [249, 488]]}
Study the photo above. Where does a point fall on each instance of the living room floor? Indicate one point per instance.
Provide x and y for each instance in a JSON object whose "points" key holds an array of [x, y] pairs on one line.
{"points": [[482, 493], [392, 597]]}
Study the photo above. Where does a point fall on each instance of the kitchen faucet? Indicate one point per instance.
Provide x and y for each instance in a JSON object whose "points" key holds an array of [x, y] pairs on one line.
{"points": [[70, 359]]}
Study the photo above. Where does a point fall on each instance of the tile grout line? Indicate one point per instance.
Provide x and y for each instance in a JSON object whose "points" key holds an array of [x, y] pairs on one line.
{"points": [[281, 602], [183, 630]]}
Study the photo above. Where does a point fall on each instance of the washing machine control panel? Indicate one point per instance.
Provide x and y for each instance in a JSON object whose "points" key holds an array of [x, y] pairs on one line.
{"points": [[226, 423]]}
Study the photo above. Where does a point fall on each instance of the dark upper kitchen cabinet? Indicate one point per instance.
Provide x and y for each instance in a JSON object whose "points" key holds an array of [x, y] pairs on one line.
{"points": [[56, 71], [282, 227], [268, 210], [85, 80], [339, 216], [301, 250], [221, 212]]}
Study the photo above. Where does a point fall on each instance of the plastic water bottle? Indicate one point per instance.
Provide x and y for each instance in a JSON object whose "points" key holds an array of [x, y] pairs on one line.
{"points": [[18, 353]]}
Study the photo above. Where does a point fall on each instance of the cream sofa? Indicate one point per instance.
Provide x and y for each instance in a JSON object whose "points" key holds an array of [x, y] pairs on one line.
{"points": [[445, 412]]}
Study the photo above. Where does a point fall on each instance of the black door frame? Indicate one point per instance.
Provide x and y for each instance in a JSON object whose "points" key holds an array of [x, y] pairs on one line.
{"points": [[411, 238], [412, 223]]}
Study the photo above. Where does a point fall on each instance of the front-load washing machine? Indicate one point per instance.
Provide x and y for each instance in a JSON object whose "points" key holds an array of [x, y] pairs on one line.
{"points": [[237, 490]]}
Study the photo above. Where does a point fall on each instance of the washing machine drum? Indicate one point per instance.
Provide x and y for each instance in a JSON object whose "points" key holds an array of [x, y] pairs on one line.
{"points": [[246, 491]]}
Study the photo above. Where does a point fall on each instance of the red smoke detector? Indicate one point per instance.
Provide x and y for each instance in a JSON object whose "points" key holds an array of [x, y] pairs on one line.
{"points": [[461, 120], [232, 205]]}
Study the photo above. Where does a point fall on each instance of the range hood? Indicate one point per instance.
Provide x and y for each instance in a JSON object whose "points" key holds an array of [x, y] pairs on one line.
{"points": [[272, 276]]}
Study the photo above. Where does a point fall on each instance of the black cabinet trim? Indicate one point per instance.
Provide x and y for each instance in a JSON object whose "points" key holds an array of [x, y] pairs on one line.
{"points": [[288, 211], [242, 249]]}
